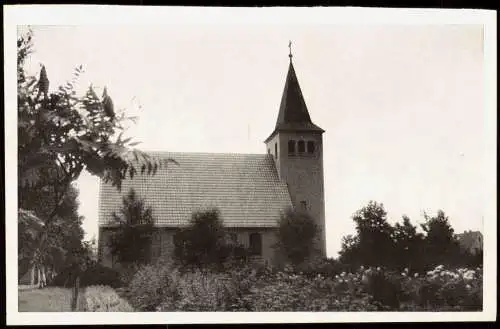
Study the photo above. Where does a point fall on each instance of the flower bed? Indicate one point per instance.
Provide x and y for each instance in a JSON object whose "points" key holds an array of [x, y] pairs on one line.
{"points": [[367, 289]]}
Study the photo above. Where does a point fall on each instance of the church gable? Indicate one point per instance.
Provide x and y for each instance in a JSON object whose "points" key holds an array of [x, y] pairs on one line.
{"points": [[244, 187]]}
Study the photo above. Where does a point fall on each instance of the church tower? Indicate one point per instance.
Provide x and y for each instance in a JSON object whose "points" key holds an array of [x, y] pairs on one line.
{"points": [[296, 145]]}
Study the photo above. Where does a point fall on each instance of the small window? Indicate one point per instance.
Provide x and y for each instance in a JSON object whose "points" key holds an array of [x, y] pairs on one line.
{"points": [[291, 146], [303, 205], [301, 146], [255, 244], [310, 147], [276, 150], [233, 238], [268, 151]]}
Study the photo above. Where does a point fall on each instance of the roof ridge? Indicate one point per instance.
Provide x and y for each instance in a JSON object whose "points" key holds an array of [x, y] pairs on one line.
{"points": [[203, 153]]}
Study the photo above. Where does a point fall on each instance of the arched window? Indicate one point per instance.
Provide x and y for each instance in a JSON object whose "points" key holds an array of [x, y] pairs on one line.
{"points": [[310, 147], [255, 242], [291, 146], [301, 146], [276, 150]]}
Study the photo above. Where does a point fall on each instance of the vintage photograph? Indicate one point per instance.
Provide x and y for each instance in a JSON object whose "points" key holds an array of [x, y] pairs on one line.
{"points": [[251, 167]]}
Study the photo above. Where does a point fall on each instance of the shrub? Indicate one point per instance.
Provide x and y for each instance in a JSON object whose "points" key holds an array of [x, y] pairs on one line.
{"points": [[131, 242], [324, 266], [385, 287], [100, 275], [65, 278], [296, 236], [93, 275], [289, 291], [444, 290], [151, 285], [205, 291], [203, 242], [127, 273], [104, 299], [162, 288]]}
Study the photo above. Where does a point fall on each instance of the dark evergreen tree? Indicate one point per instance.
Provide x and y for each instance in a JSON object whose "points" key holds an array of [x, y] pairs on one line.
{"points": [[131, 241]]}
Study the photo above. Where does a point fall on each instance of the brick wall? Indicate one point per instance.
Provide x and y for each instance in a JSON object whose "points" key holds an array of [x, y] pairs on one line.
{"points": [[163, 244], [303, 174]]}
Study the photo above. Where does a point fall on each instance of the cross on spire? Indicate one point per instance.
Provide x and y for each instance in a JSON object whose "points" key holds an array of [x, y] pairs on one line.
{"points": [[290, 48]]}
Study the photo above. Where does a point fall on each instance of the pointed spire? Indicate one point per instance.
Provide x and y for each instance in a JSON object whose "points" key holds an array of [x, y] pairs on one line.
{"points": [[290, 48], [293, 114]]}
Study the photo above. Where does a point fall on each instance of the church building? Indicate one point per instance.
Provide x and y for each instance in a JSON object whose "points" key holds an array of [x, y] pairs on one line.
{"points": [[249, 190]]}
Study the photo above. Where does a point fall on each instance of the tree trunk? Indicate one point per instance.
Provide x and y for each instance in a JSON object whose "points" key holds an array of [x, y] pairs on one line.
{"points": [[43, 278], [32, 270], [38, 276]]}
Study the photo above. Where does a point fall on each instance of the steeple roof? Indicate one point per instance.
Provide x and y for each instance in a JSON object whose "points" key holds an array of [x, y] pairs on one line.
{"points": [[293, 114]]}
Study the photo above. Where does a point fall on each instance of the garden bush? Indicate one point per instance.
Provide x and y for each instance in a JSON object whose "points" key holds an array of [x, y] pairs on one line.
{"points": [[65, 278], [104, 299], [151, 285], [325, 266], [384, 287], [163, 288], [204, 291], [93, 275], [100, 275], [127, 272]]}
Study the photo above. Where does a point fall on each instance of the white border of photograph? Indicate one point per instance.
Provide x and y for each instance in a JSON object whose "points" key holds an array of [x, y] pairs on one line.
{"points": [[122, 15]]}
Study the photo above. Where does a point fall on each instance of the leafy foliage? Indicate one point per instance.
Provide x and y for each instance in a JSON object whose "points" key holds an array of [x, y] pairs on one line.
{"points": [[92, 274], [377, 243], [441, 245], [63, 236], [296, 236], [131, 241], [100, 275], [150, 286], [373, 244], [164, 288], [203, 243], [408, 245], [101, 298], [60, 134]]}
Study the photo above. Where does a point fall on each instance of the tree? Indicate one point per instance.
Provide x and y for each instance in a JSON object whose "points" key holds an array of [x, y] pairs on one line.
{"points": [[297, 234], [64, 236], [60, 135], [440, 244], [131, 242], [30, 228], [373, 245], [408, 245], [203, 242], [350, 251]]}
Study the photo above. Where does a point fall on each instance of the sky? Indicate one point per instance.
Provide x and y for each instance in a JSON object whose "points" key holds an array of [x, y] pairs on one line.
{"points": [[403, 106]]}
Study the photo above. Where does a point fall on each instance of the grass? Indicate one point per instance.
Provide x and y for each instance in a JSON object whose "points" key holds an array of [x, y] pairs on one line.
{"points": [[49, 299], [55, 299]]}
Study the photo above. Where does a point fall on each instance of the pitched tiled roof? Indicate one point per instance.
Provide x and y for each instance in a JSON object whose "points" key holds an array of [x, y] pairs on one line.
{"points": [[244, 187], [471, 240], [293, 113]]}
